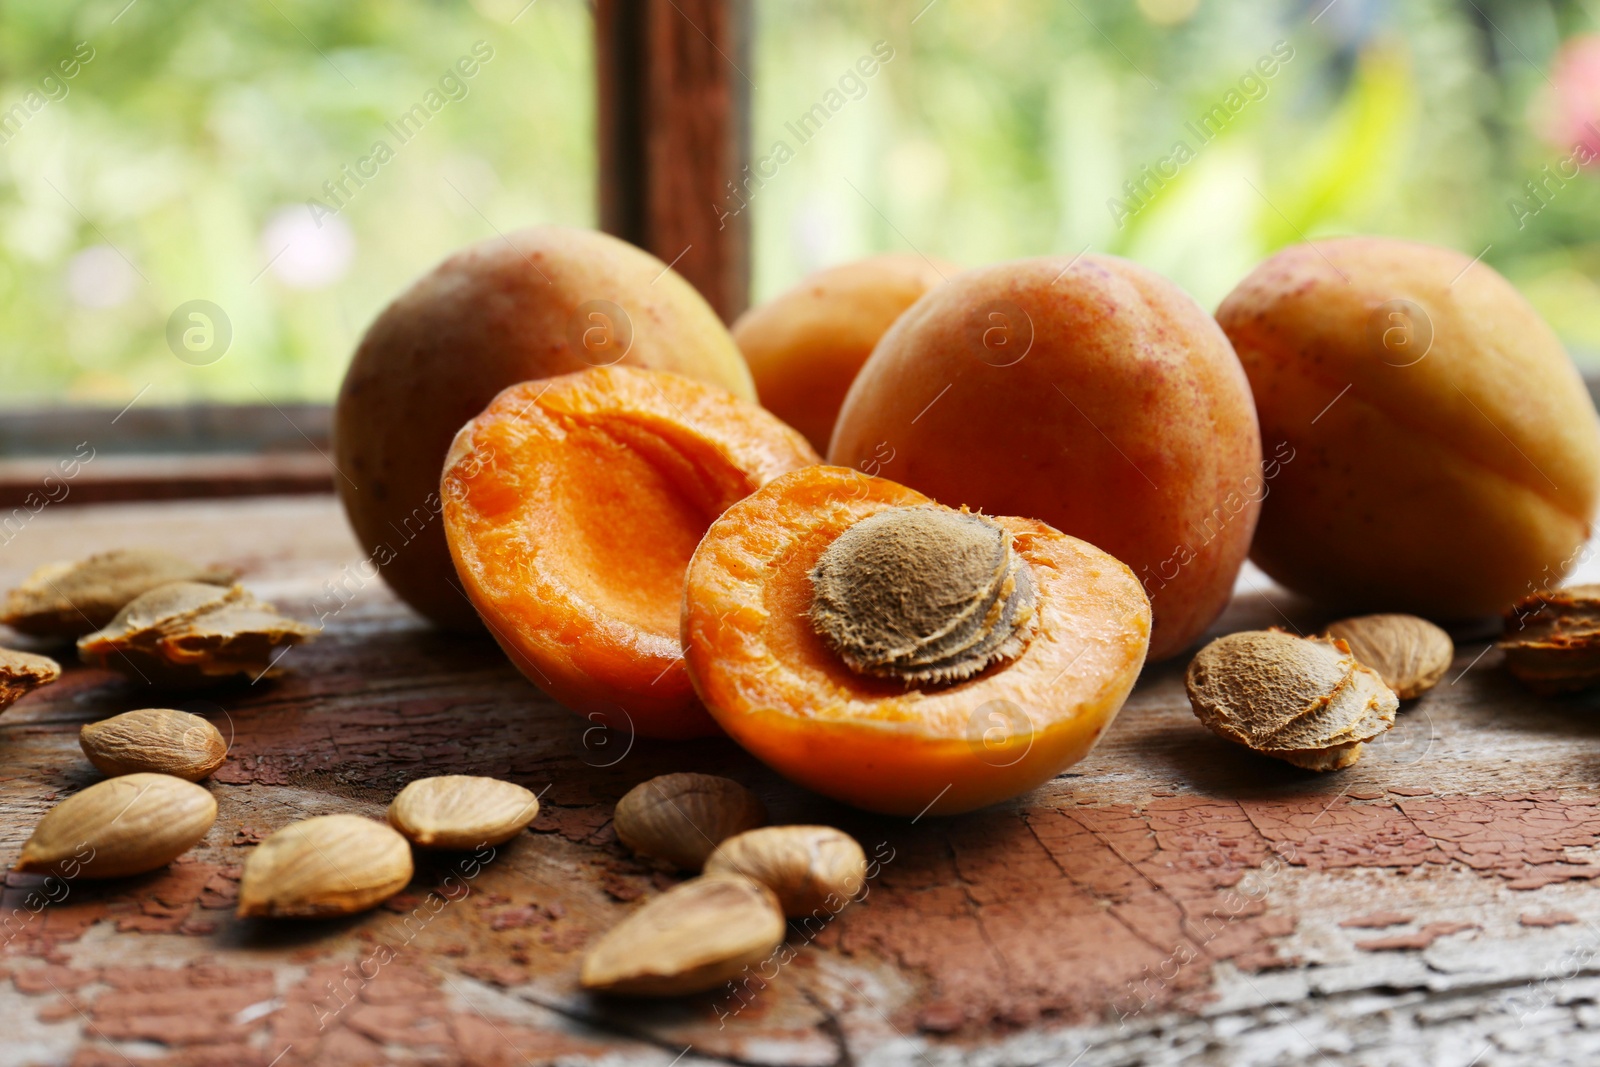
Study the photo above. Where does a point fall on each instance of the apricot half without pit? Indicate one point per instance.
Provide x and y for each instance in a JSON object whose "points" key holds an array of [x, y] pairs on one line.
{"points": [[572, 506], [530, 304], [901, 656]]}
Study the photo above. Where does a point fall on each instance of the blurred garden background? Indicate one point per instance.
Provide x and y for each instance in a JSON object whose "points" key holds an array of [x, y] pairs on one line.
{"points": [[230, 153]]}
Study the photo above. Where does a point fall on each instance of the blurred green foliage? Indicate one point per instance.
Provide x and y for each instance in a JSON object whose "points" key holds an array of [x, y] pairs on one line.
{"points": [[1002, 130], [178, 162], [181, 159]]}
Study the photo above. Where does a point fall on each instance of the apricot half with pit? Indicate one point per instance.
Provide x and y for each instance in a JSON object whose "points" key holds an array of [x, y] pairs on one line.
{"points": [[572, 506], [806, 344], [530, 304], [1446, 456], [1089, 393], [901, 656]]}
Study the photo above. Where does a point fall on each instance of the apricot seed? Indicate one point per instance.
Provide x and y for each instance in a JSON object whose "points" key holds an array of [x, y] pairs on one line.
{"points": [[923, 595], [1411, 654]]}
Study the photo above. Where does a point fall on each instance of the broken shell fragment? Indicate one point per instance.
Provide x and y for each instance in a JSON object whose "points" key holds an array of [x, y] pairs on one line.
{"points": [[23, 672], [1410, 654], [1552, 640], [1304, 700], [189, 634], [75, 598]]}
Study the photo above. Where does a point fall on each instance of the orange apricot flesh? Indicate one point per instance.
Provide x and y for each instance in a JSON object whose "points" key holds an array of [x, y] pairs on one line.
{"points": [[782, 693], [572, 506]]}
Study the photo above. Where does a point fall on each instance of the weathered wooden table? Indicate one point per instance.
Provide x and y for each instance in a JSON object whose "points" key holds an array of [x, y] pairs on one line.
{"points": [[1170, 899]]}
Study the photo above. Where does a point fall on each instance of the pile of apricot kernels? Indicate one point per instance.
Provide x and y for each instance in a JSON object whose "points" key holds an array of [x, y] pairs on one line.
{"points": [[1446, 452]]}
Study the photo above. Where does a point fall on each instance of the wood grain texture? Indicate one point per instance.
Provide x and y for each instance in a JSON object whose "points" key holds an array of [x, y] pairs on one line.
{"points": [[673, 116], [1171, 899]]}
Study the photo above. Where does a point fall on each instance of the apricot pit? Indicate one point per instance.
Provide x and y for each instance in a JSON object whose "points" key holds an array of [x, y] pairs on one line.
{"points": [[923, 595]]}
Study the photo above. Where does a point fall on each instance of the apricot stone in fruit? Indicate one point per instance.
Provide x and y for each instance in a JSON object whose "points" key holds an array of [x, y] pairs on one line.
{"points": [[806, 344], [1090, 394], [1446, 456], [923, 595], [536, 303]]}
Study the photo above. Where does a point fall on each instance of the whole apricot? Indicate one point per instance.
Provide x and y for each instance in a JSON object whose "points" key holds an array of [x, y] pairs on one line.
{"points": [[1446, 456], [1090, 394], [531, 304], [805, 345]]}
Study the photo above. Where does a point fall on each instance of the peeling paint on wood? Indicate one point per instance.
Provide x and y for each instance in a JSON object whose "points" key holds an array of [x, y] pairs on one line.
{"points": [[1171, 899]]}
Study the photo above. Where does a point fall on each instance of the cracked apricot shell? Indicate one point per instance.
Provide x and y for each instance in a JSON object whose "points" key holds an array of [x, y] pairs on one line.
{"points": [[572, 505], [781, 692]]}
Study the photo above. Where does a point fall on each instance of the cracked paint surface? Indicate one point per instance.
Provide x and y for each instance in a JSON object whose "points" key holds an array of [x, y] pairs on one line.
{"points": [[1137, 888]]}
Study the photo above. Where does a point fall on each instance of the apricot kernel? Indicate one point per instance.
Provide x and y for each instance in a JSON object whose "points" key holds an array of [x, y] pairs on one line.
{"points": [[1411, 654]]}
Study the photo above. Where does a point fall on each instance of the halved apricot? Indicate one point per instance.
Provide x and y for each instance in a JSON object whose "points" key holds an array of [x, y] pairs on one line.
{"points": [[754, 636], [572, 505]]}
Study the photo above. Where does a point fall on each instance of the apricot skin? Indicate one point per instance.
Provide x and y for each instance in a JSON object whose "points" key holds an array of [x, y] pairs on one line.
{"points": [[1445, 481], [1127, 421], [782, 694], [805, 345], [496, 313]]}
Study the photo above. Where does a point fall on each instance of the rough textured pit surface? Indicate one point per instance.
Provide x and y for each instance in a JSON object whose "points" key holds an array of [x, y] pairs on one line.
{"points": [[1552, 639], [190, 634], [74, 598], [23, 672], [924, 595], [1305, 700]]}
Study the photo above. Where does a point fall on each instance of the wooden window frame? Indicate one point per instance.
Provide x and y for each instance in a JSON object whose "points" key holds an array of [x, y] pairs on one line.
{"points": [[673, 126]]}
